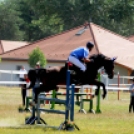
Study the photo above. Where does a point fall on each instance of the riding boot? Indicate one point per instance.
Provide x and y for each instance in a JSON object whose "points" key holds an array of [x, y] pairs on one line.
{"points": [[81, 76]]}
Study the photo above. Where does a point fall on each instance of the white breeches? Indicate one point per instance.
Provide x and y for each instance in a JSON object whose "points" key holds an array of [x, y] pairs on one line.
{"points": [[77, 63]]}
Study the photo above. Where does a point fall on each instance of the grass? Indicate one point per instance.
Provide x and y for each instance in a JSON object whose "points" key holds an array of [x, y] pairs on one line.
{"points": [[113, 119]]}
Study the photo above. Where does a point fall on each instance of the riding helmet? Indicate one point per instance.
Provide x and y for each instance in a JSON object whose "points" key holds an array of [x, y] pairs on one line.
{"points": [[89, 45]]}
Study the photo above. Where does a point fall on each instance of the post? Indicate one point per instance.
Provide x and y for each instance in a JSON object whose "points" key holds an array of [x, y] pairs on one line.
{"points": [[72, 103], [91, 106], [33, 107], [91, 93], [98, 98], [38, 111], [81, 98], [27, 102], [53, 102], [87, 93], [118, 86], [67, 94]]}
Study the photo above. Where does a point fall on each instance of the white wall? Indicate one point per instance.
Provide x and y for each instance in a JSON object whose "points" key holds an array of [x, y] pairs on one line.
{"points": [[122, 72], [12, 65]]}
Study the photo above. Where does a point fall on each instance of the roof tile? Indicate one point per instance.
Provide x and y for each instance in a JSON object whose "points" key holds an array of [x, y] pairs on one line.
{"points": [[111, 44], [6, 45], [55, 47], [59, 46]]}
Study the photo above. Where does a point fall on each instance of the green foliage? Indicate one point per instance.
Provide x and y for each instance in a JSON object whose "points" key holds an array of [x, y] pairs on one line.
{"points": [[37, 56], [56, 16], [35, 19], [10, 21]]}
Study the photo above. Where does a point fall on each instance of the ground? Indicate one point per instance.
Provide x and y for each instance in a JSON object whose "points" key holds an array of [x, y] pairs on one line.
{"points": [[114, 117]]}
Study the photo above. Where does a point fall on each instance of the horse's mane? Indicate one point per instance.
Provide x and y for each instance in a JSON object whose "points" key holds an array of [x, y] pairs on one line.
{"points": [[96, 56], [99, 57]]}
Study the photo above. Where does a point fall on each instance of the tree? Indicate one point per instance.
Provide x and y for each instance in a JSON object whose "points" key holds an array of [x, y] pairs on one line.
{"points": [[10, 21], [35, 19], [37, 56]]}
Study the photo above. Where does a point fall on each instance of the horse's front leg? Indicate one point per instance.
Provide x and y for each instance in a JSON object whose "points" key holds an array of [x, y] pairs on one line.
{"points": [[100, 84], [104, 90], [36, 92]]}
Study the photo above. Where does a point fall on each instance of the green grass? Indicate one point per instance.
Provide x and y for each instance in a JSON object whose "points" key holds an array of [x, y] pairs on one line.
{"points": [[113, 119]]}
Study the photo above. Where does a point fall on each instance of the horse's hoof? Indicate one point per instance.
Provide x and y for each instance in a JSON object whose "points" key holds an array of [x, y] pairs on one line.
{"points": [[104, 96]]}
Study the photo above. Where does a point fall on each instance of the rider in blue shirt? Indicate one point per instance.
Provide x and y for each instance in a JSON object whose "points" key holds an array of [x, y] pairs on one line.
{"points": [[81, 54]]}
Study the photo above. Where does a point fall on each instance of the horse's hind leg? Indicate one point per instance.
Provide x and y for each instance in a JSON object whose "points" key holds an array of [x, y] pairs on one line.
{"points": [[77, 96]]}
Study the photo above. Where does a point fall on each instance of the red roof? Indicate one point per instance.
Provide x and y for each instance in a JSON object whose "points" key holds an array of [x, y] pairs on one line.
{"points": [[59, 46], [111, 44], [6, 45], [55, 47]]}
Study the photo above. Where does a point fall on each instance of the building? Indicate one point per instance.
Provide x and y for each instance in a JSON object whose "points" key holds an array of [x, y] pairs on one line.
{"points": [[57, 48], [6, 45]]}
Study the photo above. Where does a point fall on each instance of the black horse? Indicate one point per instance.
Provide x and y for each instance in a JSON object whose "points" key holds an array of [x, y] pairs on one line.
{"points": [[54, 76]]}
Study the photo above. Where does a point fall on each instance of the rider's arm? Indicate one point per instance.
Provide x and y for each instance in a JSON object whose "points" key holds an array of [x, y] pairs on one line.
{"points": [[86, 54]]}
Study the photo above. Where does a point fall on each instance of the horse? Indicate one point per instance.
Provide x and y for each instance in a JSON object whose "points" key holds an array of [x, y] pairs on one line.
{"points": [[50, 78]]}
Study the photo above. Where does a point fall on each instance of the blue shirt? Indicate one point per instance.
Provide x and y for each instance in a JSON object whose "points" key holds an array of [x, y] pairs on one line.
{"points": [[80, 53]]}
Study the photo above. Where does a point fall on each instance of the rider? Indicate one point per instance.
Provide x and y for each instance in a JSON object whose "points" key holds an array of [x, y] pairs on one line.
{"points": [[81, 54]]}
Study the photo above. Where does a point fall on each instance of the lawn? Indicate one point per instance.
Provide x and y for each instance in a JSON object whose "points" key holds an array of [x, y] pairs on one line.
{"points": [[113, 119]]}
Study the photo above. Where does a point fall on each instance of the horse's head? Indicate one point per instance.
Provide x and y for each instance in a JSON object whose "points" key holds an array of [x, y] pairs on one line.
{"points": [[101, 60], [109, 67]]}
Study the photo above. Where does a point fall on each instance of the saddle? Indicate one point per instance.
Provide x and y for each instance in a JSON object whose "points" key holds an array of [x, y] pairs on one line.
{"points": [[74, 71]]}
